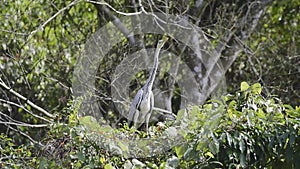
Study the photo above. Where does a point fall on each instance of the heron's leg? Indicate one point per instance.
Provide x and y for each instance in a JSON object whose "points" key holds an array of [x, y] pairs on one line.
{"points": [[136, 118], [150, 112], [147, 122]]}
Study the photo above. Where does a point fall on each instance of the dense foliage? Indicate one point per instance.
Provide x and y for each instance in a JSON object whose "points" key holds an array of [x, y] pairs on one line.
{"points": [[273, 54], [253, 127], [245, 130], [253, 132]]}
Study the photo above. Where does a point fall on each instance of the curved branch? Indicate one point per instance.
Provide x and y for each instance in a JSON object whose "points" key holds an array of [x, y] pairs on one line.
{"points": [[117, 22]]}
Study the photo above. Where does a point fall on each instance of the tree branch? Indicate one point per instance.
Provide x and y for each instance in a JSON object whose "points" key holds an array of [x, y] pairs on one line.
{"points": [[117, 22], [26, 110], [25, 99], [25, 135]]}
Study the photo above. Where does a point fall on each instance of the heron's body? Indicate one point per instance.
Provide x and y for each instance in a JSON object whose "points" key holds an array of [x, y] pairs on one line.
{"points": [[143, 102], [138, 113]]}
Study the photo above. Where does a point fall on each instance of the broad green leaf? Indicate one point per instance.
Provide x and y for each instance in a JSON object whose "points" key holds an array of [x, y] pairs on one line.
{"points": [[210, 154], [194, 113], [242, 145], [124, 147], [91, 124], [80, 156], [244, 86], [256, 88], [108, 166], [260, 113], [229, 138], [181, 114], [180, 150], [102, 160]]}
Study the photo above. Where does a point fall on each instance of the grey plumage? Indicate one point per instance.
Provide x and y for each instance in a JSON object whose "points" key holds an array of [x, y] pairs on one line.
{"points": [[143, 102]]}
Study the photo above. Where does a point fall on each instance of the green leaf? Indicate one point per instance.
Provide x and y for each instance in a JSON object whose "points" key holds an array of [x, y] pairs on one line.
{"points": [[260, 113], [242, 145], [43, 163], [181, 114], [91, 124], [229, 138], [124, 147], [194, 112], [214, 147], [180, 150], [210, 154], [244, 86], [256, 88], [80, 156], [108, 166]]}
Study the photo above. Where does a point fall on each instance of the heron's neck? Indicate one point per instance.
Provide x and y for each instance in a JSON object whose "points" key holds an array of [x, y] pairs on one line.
{"points": [[150, 80]]}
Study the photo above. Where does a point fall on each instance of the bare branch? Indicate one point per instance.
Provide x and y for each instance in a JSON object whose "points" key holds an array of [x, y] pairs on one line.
{"points": [[26, 110], [164, 111], [118, 12], [117, 22], [25, 99], [18, 123], [25, 135]]}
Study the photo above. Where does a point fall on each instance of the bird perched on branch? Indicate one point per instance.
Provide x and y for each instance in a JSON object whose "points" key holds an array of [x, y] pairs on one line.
{"points": [[143, 102]]}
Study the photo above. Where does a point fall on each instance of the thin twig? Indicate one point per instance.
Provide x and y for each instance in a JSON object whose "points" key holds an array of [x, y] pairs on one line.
{"points": [[18, 123], [164, 111], [118, 12], [25, 135]]}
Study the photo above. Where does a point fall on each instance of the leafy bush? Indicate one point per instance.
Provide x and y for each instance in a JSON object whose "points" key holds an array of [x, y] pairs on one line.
{"points": [[253, 132], [12, 156], [244, 130]]}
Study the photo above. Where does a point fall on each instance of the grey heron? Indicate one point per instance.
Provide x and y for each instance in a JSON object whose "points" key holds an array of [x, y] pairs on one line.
{"points": [[143, 102]]}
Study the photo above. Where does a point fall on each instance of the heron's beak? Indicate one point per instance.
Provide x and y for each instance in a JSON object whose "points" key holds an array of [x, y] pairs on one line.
{"points": [[165, 38]]}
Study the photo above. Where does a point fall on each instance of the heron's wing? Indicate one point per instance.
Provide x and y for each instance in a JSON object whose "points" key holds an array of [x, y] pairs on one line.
{"points": [[135, 105]]}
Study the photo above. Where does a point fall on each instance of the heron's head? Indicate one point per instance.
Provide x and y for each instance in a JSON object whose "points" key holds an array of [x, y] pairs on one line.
{"points": [[161, 42]]}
